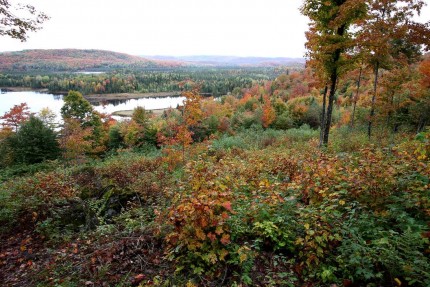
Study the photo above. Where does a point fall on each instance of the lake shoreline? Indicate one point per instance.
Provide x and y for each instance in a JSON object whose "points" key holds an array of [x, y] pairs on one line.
{"points": [[129, 113], [99, 98], [23, 89], [114, 104]]}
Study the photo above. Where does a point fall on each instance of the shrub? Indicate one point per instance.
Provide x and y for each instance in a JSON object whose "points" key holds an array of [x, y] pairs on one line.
{"points": [[227, 142], [116, 140], [344, 139], [302, 134], [378, 249], [283, 121]]}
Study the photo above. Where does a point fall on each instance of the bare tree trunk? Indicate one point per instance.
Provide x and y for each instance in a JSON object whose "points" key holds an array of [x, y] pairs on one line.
{"points": [[356, 97], [323, 115], [333, 83], [390, 112], [330, 108], [421, 124], [372, 109]]}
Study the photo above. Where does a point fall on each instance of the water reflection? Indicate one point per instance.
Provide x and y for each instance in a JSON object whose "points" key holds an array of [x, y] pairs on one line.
{"points": [[37, 101], [57, 97], [147, 103]]}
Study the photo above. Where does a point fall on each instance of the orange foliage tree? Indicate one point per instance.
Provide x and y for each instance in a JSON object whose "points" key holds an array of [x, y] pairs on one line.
{"points": [[269, 114], [389, 33], [75, 141], [424, 69], [16, 115], [179, 134], [329, 38]]}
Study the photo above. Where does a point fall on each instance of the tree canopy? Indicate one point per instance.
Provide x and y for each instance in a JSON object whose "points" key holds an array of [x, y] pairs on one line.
{"points": [[329, 38], [15, 116], [18, 20], [76, 107], [372, 32]]}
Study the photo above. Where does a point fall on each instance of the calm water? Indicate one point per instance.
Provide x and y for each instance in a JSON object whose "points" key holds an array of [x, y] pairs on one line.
{"points": [[37, 101], [147, 103]]}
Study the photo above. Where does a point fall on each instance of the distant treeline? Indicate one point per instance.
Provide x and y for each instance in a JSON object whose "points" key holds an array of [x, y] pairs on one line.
{"points": [[73, 60], [213, 81]]}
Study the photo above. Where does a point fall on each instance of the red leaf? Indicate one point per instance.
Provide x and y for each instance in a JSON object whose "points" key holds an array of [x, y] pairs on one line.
{"points": [[138, 278], [227, 205], [225, 239]]}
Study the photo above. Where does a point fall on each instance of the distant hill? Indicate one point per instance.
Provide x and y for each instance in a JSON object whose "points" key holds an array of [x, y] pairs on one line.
{"points": [[59, 60], [233, 61], [75, 60]]}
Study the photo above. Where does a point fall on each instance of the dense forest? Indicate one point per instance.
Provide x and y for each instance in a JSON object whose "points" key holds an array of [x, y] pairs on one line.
{"points": [[213, 81], [318, 176]]}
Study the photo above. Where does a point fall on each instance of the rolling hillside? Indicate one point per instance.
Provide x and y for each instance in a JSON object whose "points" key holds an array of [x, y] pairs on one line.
{"points": [[59, 60], [232, 61], [74, 60]]}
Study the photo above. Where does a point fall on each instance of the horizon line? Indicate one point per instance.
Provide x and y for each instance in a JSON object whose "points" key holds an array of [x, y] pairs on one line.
{"points": [[162, 55]]}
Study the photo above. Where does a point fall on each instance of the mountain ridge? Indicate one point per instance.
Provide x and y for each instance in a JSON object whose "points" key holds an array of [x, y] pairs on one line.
{"points": [[77, 60], [67, 60]]}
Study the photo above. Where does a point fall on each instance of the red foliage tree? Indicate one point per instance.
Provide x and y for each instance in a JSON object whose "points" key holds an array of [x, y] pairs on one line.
{"points": [[16, 115]]}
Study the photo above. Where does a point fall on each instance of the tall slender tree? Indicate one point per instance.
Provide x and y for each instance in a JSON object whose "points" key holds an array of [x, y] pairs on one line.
{"points": [[356, 96], [329, 38], [387, 33]]}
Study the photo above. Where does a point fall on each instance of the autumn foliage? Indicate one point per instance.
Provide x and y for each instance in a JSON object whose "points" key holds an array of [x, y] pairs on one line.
{"points": [[228, 191], [17, 115]]}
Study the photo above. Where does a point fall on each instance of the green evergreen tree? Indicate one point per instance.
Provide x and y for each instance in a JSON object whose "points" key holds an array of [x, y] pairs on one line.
{"points": [[34, 143], [116, 140]]}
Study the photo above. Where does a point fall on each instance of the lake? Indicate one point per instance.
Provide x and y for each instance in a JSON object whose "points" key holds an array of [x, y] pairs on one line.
{"points": [[37, 101]]}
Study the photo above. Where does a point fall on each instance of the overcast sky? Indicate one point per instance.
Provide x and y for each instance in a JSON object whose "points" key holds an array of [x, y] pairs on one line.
{"points": [[172, 27]]}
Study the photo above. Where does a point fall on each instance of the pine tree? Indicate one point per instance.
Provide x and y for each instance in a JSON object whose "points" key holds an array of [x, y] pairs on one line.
{"points": [[34, 143]]}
